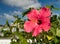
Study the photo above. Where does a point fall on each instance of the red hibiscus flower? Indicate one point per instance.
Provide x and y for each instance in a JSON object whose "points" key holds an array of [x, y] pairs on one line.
{"points": [[38, 21]]}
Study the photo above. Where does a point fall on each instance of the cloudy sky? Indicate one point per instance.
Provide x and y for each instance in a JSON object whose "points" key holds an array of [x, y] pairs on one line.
{"points": [[8, 8]]}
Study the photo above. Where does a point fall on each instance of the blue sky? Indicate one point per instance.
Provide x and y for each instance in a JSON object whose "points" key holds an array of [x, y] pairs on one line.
{"points": [[8, 8]]}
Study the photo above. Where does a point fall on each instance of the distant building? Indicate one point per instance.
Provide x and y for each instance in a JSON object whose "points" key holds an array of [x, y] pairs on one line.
{"points": [[1, 26]]}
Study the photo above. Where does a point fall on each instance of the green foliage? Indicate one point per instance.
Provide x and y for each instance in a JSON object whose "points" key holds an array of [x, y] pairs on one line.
{"points": [[21, 38], [7, 23], [13, 42], [50, 37], [58, 32], [52, 7], [59, 17]]}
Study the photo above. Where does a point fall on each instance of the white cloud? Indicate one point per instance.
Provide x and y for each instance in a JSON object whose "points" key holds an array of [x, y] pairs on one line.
{"points": [[16, 13], [23, 3], [8, 16], [32, 5]]}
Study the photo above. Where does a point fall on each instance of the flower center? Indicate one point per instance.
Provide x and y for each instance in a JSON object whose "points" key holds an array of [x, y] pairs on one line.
{"points": [[39, 22]]}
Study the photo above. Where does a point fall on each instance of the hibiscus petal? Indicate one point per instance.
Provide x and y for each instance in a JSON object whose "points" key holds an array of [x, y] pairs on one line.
{"points": [[45, 20], [45, 12], [40, 28], [37, 30], [46, 27], [32, 15], [29, 26]]}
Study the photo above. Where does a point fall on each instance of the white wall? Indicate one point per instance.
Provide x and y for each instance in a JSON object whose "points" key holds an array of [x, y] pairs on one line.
{"points": [[5, 41]]}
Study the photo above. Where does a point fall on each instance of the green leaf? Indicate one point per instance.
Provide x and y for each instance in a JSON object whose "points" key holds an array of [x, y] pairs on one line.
{"points": [[56, 8], [48, 6], [49, 37], [7, 24], [59, 17], [13, 42], [52, 7], [56, 40], [53, 31], [53, 18], [58, 32], [21, 38]]}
